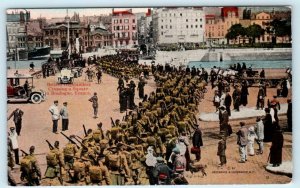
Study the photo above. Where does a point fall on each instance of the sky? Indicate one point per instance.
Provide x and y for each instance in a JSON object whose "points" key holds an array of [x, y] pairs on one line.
{"points": [[54, 13]]}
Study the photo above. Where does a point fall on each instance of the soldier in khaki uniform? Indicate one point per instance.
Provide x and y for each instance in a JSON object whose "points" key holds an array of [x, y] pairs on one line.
{"points": [[117, 164], [54, 158], [30, 169]]}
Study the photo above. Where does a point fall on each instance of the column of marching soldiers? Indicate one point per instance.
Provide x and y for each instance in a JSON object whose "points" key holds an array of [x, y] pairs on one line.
{"points": [[146, 135]]}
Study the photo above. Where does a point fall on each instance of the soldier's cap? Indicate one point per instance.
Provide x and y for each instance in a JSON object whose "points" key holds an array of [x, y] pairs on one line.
{"points": [[99, 124], [32, 148], [65, 103], [56, 101], [242, 123], [159, 159], [12, 128]]}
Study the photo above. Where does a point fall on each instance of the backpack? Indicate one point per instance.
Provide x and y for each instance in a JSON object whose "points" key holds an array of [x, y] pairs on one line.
{"points": [[79, 167], [95, 173], [69, 150], [114, 161], [26, 164], [51, 159]]}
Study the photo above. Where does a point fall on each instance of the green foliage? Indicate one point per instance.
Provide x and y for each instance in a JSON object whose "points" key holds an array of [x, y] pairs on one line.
{"points": [[254, 31]]}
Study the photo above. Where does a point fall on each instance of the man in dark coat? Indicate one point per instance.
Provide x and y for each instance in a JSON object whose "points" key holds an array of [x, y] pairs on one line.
{"points": [[17, 113], [197, 141], [244, 93], [276, 147], [224, 118], [289, 115], [162, 173], [268, 126], [285, 90], [140, 88], [221, 150], [227, 103], [236, 96], [260, 103]]}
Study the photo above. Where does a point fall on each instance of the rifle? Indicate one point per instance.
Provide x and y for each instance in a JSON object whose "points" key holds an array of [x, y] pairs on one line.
{"points": [[112, 121], [79, 137], [24, 152], [84, 130], [50, 145], [72, 141], [84, 146]]}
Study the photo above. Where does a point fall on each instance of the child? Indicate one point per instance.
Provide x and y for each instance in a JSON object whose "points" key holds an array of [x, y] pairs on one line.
{"points": [[251, 138]]}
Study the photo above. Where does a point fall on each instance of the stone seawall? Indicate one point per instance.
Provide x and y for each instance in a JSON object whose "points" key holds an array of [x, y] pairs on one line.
{"points": [[247, 55]]}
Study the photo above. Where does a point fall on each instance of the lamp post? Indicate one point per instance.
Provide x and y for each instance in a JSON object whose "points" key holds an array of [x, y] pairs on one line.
{"points": [[68, 34]]}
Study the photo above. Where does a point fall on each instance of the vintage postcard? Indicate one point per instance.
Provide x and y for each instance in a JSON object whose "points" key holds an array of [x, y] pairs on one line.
{"points": [[149, 96]]}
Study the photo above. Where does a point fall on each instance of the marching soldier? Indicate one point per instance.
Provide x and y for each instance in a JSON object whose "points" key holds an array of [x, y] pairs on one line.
{"points": [[53, 175], [118, 166], [30, 169]]}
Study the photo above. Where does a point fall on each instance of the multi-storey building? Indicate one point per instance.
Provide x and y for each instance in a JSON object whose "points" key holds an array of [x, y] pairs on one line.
{"points": [[16, 26], [35, 37], [124, 28], [144, 27], [217, 26], [178, 25]]}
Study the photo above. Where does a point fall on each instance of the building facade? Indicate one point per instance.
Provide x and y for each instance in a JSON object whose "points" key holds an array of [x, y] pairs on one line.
{"points": [[16, 28], [55, 35], [178, 25], [217, 26], [124, 29]]}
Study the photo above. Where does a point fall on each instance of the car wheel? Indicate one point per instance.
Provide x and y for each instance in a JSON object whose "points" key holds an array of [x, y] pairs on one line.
{"points": [[36, 98]]}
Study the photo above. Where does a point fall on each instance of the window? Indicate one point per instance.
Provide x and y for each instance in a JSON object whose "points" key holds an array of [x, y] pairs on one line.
{"points": [[121, 27], [166, 26], [200, 26], [162, 20], [196, 26], [133, 20], [196, 20], [180, 14], [200, 19], [174, 14], [191, 26], [170, 21], [114, 27], [120, 20], [187, 20], [187, 26], [162, 33], [133, 27], [126, 20], [115, 21], [170, 27], [162, 27]]}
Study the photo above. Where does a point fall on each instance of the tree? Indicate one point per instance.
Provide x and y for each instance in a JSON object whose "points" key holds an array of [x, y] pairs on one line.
{"points": [[279, 28], [254, 31], [235, 31]]}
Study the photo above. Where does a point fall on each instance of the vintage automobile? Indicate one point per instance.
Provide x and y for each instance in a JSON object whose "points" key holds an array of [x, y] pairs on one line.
{"points": [[20, 88], [65, 76]]}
